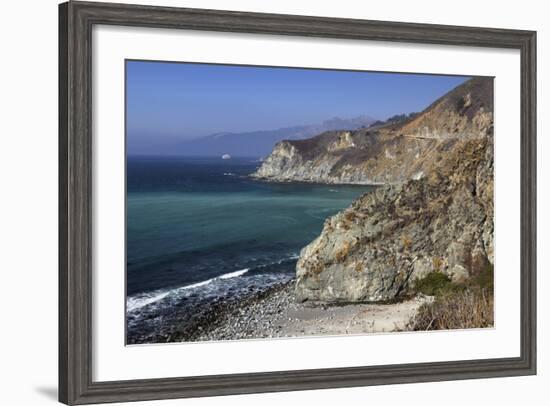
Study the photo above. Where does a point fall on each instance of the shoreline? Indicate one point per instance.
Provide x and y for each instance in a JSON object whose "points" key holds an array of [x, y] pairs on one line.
{"points": [[315, 182], [274, 313]]}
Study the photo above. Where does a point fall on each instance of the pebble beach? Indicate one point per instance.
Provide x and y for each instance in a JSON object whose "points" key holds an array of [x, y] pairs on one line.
{"points": [[275, 313]]}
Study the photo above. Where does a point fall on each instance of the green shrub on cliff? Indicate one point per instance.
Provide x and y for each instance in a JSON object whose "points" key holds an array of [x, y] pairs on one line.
{"points": [[484, 279], [434, 284]]}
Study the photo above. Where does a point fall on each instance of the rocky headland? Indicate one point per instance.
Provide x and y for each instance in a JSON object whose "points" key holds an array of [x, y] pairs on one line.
{"points": [[432, 214], [390, 152], [376, 249]]}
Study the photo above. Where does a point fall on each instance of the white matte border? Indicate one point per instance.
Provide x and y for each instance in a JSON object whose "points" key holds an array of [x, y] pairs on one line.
{"points": [[112, 360]]}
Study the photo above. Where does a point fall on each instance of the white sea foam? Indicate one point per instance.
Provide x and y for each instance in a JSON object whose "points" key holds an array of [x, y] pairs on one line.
{"points": [[141, 300], [234, 274], [133, 303], [136, 302]]}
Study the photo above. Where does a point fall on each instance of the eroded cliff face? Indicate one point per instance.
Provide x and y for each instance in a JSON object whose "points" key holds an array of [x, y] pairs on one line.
{"points": [[434, 211], [387, 239], [391, 153]]}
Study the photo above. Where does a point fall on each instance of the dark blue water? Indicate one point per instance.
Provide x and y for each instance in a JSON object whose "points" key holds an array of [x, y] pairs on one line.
{"points": [[200, 228]]}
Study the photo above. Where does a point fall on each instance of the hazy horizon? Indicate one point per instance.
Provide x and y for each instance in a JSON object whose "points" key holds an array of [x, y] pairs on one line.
{"points": [[170, 103]]}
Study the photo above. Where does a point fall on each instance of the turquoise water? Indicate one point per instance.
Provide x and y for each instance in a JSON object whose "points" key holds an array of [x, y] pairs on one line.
{"points": [[200, 228]]}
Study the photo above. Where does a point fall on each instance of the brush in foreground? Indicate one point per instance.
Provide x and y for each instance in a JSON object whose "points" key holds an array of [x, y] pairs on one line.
{"points": [[457, 310]]}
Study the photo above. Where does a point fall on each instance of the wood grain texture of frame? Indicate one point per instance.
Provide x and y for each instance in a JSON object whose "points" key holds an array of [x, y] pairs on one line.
{"points": [[76, 20]]}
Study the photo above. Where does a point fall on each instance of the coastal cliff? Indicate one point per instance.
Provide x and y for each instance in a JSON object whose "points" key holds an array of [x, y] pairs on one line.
{"points": [[440, 221], [377, 248], [390, 152], [433, 212]]}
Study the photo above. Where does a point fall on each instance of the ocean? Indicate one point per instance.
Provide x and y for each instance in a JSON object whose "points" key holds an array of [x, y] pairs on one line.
{"points": [[199, 230]]}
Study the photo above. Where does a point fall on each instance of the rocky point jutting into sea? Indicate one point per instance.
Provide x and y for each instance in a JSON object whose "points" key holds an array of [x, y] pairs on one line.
{"points": [[433, 212]]}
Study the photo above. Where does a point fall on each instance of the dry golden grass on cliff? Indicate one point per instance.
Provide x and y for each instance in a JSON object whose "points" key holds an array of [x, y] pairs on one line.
{"points": [[458, 310], [456, 306]]}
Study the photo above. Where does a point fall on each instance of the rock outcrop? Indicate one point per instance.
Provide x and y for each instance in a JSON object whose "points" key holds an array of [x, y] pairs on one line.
{"points": [[434, 213], [388, 153], [378, 247]]}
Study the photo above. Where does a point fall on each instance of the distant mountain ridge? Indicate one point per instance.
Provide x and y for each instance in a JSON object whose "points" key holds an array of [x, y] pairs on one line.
{"points": [[261, 143]]}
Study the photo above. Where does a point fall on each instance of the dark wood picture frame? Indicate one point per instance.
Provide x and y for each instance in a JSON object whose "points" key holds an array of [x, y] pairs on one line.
{"points": [[76, 20]]}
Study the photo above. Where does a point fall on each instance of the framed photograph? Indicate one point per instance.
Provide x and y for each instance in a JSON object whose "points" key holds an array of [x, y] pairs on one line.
{"points": [[258, 202]]}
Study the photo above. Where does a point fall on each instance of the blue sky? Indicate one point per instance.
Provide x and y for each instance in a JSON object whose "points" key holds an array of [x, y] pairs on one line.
{"points": [[170, 102]]}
